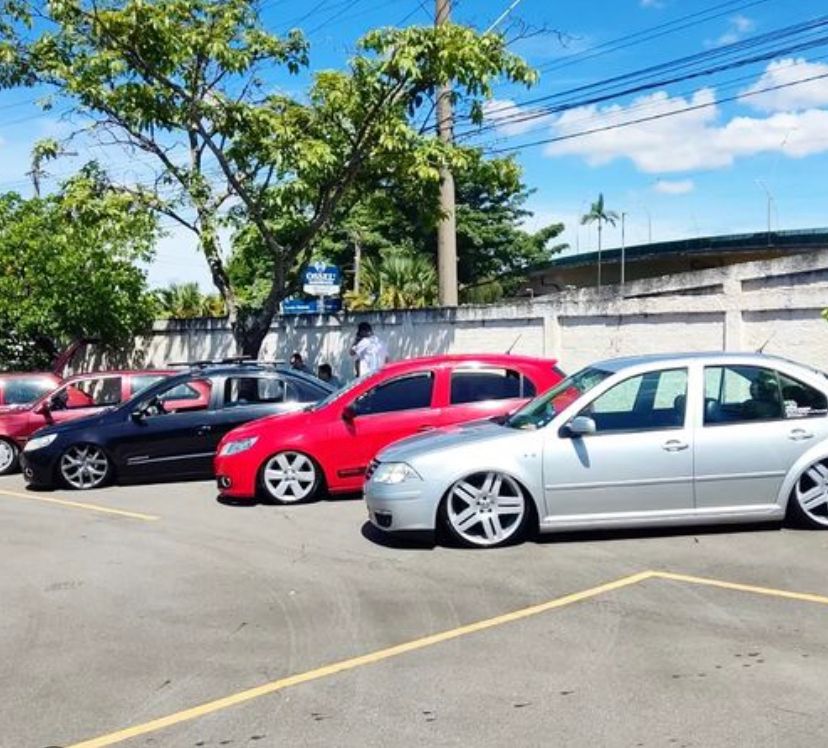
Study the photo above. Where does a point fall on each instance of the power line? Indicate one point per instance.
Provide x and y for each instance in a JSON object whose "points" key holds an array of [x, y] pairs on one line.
{"points": [[645, 35], [644, 80], [663, 115]]}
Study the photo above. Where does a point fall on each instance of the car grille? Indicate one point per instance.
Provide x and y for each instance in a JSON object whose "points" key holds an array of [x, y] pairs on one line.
{"points": [[371, 468]]}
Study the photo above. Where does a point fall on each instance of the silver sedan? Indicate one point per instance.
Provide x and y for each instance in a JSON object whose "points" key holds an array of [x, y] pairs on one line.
{"points": [[633, 442]]}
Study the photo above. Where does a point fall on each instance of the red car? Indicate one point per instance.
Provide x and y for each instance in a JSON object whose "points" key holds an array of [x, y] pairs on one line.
{"points": [[78, 396], [290, 457]]}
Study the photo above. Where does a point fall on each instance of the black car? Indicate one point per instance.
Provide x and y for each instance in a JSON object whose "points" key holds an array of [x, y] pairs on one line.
{"points": [[145, 440]]}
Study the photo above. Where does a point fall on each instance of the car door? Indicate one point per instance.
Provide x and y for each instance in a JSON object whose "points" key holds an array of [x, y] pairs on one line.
{"points": [[640, 458], [249, 396], [756, 423], [389, 411], [479, 391], [157, 442]]}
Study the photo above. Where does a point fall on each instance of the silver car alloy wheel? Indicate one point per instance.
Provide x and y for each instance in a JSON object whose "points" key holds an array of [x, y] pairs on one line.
{"points": [[812, 493], [486, 509], [84, 466], [8, 456], [289, 477]]}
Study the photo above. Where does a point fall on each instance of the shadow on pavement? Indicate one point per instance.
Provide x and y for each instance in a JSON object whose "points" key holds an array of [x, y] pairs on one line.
{"points": [[586, 536], [413, 540]]}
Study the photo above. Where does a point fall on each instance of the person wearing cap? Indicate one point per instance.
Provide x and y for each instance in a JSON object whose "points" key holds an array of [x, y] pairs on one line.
{"points": [[369, 352]]}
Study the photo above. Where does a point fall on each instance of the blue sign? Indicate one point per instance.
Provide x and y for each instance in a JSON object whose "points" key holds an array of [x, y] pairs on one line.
{"points": [[325, 305], [321, 279]]}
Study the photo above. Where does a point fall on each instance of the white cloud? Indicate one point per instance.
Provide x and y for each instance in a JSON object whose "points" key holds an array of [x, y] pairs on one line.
{"points": [[651, 4], [509, 118], [738, 26], [801, 96], [688, 141], [677, 187]]}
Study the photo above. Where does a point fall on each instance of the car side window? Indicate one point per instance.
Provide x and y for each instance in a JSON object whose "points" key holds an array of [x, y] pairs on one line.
{"points": [[652, 401], [406, 393], [801, 400], [195, 393], [88, 393], [739, 394], [140, 382], [253, 391], [476, 385]]}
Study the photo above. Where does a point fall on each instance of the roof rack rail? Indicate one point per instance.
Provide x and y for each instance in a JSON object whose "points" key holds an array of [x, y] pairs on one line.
{"points": [[227, 361]]}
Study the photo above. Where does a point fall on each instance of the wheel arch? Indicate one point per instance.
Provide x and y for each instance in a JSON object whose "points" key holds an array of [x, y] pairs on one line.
{"points": [[817, 453]]}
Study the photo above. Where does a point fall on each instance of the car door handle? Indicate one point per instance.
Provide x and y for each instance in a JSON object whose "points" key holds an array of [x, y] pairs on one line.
{"points": [[800, 435], [674, 445], [422, 429], [202, 430]]}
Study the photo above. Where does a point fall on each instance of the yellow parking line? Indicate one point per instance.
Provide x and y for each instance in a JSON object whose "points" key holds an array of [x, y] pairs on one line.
{"points": [[80, 505], [355, 662], [770, 591]]}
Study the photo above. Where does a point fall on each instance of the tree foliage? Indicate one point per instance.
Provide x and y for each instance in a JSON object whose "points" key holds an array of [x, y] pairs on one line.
{"points": [[69, 269], [182, 81], [185, 301]]}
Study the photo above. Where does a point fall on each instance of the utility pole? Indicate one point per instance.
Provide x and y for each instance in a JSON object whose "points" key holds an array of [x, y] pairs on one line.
{"points": [[446, 228], [357, 259], [623, 251]]}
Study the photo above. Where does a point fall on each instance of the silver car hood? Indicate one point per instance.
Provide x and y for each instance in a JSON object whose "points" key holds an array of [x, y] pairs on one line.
{"points": [[445, 438]]}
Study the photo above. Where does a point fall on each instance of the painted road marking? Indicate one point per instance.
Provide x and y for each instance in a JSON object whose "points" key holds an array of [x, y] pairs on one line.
{"points": [[770, 591], [80, 505], [355, 662], [384, 654]]}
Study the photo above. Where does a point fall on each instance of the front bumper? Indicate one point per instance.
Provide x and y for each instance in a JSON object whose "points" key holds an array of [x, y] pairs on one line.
{"points": [[38, 467], [402, 507], [235, 476]]}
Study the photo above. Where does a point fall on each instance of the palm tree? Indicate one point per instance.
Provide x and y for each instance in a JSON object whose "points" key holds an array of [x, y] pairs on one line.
{"points": [[399, 278], [185, 301], [597, 213]]}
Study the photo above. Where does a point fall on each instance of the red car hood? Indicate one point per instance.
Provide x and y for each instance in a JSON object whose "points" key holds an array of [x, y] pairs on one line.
{"points": [[280, 423]]}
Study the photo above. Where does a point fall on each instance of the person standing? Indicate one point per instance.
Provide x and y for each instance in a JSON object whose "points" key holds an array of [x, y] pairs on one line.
{"points": [[325, 373], [369, 352], [298, 364]]}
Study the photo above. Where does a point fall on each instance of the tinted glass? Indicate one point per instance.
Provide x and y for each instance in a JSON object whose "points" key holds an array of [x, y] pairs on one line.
{"points": [[655, 400], [307, 392], [543, 409], [406, 393], [195, 393], [737, 394], [474, 385], [140, 382], [801, 400], [20, 391], [253, 391]]}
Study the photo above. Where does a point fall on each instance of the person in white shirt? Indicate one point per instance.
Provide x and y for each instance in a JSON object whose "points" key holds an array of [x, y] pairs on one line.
{"points": [[368, 350]]}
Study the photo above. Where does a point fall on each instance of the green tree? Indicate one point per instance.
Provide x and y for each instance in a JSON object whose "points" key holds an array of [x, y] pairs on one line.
{"points": [[598, 214], [397, 279], [185, 301], [69, 269], [181, 80], [494, 250]]}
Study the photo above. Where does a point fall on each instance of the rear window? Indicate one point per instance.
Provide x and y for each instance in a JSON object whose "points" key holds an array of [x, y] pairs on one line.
{"points": [[479, 384]]}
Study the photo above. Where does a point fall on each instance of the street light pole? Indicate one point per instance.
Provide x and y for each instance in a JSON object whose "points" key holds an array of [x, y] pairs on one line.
{"points": [[623, 250], [770, 202]]}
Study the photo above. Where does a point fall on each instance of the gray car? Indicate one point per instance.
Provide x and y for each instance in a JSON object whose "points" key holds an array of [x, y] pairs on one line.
{"points": [[630, 442]]}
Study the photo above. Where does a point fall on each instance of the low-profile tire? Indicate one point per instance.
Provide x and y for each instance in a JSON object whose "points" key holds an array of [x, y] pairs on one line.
{"points": [[290, 477], [9, 457], [808, 502], [84, 466], [486, 510]]}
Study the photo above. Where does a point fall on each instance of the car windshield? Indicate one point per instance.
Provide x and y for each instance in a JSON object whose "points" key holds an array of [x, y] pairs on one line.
{"points": [[540, 411], [335, 395]]}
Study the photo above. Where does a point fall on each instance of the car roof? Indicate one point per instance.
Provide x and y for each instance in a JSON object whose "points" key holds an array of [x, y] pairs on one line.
{"points": [[120, 373], [6, 376], [625, 362], [497, 359]]}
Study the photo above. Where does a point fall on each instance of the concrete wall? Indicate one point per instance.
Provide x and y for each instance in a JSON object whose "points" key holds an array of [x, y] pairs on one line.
{"points": [[739, 307]]}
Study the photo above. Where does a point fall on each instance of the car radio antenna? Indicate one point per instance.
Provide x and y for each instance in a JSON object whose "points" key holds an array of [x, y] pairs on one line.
{"points": [[761, 348], [509, 349]]}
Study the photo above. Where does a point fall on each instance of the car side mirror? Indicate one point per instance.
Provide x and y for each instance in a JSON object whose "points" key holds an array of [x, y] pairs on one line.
{"points": [[42, 409], [579, 426], [349, 413], [138, 416]]}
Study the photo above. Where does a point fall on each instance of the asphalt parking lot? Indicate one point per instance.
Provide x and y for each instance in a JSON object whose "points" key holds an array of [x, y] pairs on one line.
{"points": [[181, 621]]}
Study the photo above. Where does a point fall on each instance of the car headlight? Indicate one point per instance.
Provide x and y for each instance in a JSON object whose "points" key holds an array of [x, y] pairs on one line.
{"points": [[39, 442], [241, 445], [392, 473]]}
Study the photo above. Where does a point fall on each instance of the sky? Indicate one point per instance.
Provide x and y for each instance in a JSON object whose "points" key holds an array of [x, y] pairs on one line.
{"points": [[720, 167]]}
